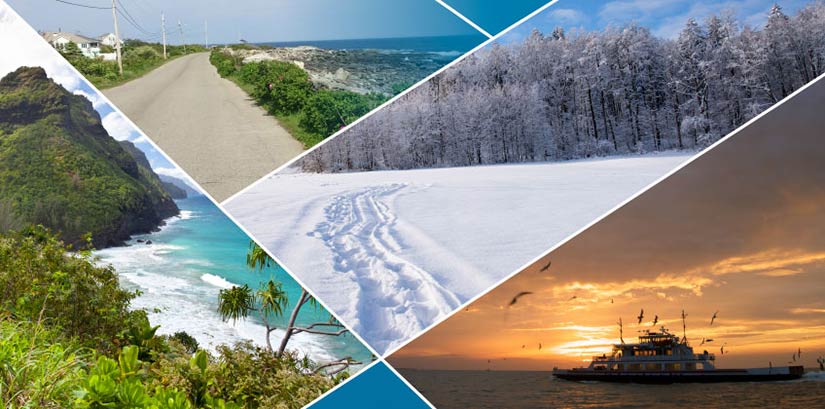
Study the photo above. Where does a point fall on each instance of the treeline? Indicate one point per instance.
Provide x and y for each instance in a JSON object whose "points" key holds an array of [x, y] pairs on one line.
{"points": [[69, 339], [285, 91], [139, 57], [618, 91]]}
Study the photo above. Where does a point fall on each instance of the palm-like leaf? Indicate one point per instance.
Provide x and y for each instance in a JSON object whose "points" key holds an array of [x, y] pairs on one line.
{"points": [[273, 298], [235, 303], [257, 258]]}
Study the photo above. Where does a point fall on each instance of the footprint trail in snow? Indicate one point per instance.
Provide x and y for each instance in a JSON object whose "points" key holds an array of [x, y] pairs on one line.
{"points": [[397, 298]]}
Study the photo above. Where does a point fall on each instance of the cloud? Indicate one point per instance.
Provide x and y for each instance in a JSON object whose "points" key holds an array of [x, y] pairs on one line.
{"points": [[171, 171], [566, 16], [22, 46], [772, 263], [96, 99], [119, 128], [639, 9]]}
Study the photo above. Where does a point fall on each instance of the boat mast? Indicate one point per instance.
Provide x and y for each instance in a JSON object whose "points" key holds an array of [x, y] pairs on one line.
{"points": [[621, 330]]}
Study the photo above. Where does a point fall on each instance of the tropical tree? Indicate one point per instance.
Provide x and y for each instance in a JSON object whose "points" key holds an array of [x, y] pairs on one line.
{"points": [[270, 301]]}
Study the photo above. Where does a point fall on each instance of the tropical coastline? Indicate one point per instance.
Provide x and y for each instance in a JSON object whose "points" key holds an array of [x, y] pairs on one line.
{"points": [[180, 269]]}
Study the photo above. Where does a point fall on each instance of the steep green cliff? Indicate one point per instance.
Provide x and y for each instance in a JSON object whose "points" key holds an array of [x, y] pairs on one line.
{"points": [[146, 170], [60, 168]]}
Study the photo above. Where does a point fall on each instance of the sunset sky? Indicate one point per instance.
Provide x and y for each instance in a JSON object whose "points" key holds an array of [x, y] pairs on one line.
{"points": [[740, 230]]}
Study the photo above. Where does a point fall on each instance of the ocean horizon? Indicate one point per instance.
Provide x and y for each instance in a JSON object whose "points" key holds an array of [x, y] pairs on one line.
{"points": [[432, 44], [448, 389]]}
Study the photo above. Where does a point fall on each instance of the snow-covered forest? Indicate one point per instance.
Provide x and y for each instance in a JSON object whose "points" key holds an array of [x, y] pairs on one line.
{"points": [[558, 95]]}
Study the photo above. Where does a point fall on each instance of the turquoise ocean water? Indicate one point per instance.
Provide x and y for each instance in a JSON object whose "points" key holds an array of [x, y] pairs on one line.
{"points": [[192, 258]]}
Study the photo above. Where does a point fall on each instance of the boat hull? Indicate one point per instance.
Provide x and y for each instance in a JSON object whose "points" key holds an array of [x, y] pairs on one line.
{"points": [[664, 377]]}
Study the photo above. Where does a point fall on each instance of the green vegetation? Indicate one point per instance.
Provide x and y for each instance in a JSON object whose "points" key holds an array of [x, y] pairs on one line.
{"points": [[269, 302], [69, 339], [138, 59], [60, 168], [310, 114]]}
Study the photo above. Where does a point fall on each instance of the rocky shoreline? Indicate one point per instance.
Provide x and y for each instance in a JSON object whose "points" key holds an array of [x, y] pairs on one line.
{"points": [[361, 70]]}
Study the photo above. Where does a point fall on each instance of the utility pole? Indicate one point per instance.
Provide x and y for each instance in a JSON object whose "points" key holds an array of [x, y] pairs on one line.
{"points": [[163, 30], [206, 32], [117, 40], [182, 39]]}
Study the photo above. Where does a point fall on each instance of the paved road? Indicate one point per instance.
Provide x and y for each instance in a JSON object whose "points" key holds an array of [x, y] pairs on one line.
{"points": [[208, 125]]}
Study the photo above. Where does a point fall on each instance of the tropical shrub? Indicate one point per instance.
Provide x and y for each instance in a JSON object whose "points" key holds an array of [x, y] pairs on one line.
{"points": [[41, 282], [36, 371]]}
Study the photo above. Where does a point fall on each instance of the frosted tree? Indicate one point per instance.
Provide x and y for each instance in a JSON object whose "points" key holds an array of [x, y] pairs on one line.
{"points": [[579, 94]]}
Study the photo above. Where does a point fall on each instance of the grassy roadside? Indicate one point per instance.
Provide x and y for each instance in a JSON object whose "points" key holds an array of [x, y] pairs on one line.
{"points": [[308, 112], [139, 58], [290, 122]]}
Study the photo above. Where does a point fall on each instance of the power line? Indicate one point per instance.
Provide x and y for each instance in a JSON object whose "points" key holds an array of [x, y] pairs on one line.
{"points": [[83, 5], [132, 20], [135, 24]]}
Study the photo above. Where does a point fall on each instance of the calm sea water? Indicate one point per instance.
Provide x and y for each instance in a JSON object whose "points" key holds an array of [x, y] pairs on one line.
{"points": [[481, 389], [438, 44], [189, 261]]}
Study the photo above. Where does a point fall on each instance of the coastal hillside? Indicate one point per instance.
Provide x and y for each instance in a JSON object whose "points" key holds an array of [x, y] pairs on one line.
{"points": [[60, 168], [175, 192]]}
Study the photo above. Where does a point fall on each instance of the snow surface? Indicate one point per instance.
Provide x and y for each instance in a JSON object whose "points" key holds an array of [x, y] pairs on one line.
{"points": [[391, 252]]}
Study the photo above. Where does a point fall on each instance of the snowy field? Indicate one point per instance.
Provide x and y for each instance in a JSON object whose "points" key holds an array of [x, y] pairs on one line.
{"points": [[393, 251]]}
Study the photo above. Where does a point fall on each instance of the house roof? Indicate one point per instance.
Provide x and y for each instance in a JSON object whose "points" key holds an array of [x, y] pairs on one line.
{"points": [[75, 38]]}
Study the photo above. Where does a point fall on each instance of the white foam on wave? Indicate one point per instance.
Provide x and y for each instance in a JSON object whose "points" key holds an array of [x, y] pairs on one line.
{"points": [[179, 296], [217, 281], [818, 376]]}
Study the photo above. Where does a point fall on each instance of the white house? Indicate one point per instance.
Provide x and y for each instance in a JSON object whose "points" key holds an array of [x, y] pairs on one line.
{"points": [[90, 47], [110, 39]]}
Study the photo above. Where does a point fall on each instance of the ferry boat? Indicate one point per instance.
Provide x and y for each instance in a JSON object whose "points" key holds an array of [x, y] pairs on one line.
{"points": [[663, 358]]}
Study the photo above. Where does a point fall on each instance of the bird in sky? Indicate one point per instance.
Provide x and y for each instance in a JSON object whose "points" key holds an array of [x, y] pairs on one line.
{"points": [[539, 346], [794, 356], [641, 315], [702, 343], [546, 266], [655, 320], [611, 300], [799, 352], [572, 298], [713, 318], [519, 295], [722, 350]]}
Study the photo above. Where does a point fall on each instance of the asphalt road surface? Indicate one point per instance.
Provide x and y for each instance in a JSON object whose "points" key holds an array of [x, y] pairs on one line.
{"points": [[208, 125]]}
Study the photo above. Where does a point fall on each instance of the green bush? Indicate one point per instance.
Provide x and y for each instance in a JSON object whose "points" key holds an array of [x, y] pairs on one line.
{"points": [[281, 87], [285, 90], [327, 111], [225, 63], [41, 281]]}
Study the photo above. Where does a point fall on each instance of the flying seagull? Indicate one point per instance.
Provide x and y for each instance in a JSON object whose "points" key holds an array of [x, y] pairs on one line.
{"points": [[611, 300], [519, 295], [713, 318], [799, 352], [655, 320], [703, 342], [572, 298], [546, 266], [641, 315], [539, 346]]}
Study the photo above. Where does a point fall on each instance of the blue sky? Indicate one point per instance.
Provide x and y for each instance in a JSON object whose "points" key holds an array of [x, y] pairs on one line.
{"points": [[23, 47], [665, 18], [254, 20]]}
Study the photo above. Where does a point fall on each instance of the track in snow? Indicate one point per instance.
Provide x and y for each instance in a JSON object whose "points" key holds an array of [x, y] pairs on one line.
{"points": [[397, 298]]}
